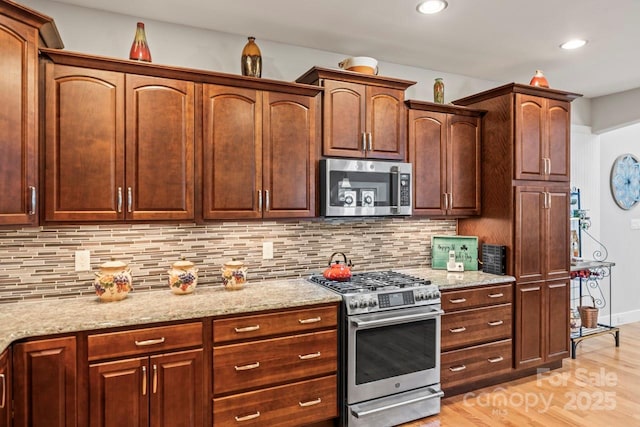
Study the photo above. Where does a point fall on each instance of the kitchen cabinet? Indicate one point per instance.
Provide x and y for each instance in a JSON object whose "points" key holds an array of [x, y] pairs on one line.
{"points": [[44, 381], [276, 368], [364, 116], [5, 388], [444, 149], [118, 146], [476, 335], [158, 384], [22, 32], [260, 153]]}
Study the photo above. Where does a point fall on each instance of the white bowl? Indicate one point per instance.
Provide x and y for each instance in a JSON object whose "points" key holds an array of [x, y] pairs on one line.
{"points": [[360, 64]]}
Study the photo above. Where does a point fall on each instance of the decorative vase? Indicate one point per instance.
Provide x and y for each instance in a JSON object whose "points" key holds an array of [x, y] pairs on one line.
{"points": [[251, 59], [438, 91], [113, 282], [234, 275], [183, 277], [140, 49], [539, 79]]}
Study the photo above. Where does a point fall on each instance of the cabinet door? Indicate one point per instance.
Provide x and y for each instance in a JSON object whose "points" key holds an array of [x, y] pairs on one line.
{"points": [[557, 261], [84, 144], [232, 163], [463, 160], [386, 123], [5, 388], [119, 393], [159, 148], [344, 119], [45, 383], [177, 389], [427, 153], [530, 137], [558, 140], [530, 324], [557, 301], [530, 234], [289, 155], [18, 115]]}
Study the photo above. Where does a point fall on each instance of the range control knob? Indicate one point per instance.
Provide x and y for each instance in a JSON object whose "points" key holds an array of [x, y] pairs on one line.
{"points": [[353, 304], [363, 303], [373, 302], [419, 296]]}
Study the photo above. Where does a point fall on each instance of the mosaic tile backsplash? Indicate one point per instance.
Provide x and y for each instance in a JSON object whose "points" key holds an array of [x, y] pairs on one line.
{"points": [[39, 262]]}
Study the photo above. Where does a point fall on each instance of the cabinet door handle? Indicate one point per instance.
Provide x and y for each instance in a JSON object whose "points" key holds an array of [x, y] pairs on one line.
{"points": [[154, 382], [260, 200], [458, 301], [248, 417], [364, 141], [370, 141], [310, 403], [310, 320], [309, 356], [149, 342], [119, 200], [32, 206], [247, 367], [144, 380], [247, 329], [4, 391], [548, 166], [450, 200], [457, 330], [495, 323], [129, 200], [446, 201], [266, 196], [498, 295], [457, 368], [495, 359], [549, 202]]}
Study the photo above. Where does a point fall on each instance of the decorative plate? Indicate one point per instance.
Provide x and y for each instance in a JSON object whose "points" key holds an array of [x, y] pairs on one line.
{"points": [[625, 181]]}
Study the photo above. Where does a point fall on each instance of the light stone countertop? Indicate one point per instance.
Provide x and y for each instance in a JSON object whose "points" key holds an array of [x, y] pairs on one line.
{"points": [[56, 316]]}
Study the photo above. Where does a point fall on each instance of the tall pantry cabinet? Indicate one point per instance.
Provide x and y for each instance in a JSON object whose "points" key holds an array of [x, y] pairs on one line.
{"points": [[525, 203]]}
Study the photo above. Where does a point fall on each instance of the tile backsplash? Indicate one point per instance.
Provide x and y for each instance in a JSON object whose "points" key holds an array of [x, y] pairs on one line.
{"points": [[39, 262]]}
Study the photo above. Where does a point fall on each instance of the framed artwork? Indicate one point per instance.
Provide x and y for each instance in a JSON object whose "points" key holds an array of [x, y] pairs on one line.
{"points": [[625, 181]]}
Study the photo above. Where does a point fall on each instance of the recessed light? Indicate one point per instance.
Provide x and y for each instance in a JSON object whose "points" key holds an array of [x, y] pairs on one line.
{"points": [[573, 44], [431, 6]]}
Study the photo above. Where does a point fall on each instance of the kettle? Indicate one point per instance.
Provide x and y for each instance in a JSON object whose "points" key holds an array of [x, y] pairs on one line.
{"points": [[336, 270]]}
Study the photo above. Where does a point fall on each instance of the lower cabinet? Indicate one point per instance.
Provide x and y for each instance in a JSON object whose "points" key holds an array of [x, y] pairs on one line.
{"points": [[44, 376], [5, 388]]}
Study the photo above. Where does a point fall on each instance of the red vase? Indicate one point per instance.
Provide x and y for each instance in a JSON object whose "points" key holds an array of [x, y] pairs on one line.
{"points": [[140, 49], [539, 80]]}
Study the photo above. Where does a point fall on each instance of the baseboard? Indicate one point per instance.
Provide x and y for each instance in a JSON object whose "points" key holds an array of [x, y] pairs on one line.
{"points": [[621, 318]]}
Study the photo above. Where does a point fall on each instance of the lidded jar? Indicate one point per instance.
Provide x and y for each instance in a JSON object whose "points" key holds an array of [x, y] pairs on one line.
{"points": [[438, 91], [183, 277], [113, 282], [234, 275]]}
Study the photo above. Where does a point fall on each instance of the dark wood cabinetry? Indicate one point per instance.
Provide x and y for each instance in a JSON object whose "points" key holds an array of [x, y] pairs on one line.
{"points": [[444, 149], [363, 115], [22, 32], [44, 379], [260, 153], [5, 388], [525, 203]]}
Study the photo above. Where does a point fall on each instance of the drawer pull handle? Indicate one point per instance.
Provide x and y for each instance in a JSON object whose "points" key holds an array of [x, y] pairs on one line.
{"points": [[457, 330], [310, 403], [247, 367], [495, 359], [458, 300], [248, 417], [495, 323], [309, 356], [150, 342], [4, 391], [498, 295], [247, 329], [144, 380], [457, 368], [311, 320]]}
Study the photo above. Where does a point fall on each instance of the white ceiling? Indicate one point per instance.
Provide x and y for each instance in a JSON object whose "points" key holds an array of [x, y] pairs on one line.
{"points": [[498, 40]]}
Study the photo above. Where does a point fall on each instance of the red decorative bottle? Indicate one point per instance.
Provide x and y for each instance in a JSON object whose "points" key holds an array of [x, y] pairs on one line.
{"points": [[539, 79], [140, 49]]}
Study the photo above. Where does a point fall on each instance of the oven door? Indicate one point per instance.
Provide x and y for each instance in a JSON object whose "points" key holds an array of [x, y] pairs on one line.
{"points": [[393, 351]]}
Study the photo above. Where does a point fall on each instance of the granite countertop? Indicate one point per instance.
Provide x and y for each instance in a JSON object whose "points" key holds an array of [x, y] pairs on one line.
{"points": [[55, 316]]}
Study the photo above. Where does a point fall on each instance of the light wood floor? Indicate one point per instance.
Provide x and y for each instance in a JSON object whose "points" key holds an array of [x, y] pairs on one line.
{"points": [[600, 388]]}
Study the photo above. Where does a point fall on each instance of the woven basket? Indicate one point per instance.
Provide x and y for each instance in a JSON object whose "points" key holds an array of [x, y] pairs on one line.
{"points": [[589, 314]]}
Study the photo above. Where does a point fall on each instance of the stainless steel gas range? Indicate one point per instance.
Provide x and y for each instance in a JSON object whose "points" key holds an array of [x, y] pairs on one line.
{"points": [[390, 348]]}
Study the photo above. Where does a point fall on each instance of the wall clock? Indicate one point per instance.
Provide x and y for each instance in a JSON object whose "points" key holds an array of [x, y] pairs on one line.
{"points": [[625, 181]]}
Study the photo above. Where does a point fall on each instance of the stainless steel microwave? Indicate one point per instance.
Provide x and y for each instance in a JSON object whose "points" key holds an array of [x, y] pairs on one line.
{"points": [[365, 187]]}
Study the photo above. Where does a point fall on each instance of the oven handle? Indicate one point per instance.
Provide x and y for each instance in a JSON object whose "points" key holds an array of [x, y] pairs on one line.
{"points": [[436, 394], [363, 324]]}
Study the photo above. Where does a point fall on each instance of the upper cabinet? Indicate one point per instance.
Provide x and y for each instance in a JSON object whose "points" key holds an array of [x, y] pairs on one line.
{"points": [[444, 149], [364, 116], [22, 32]]}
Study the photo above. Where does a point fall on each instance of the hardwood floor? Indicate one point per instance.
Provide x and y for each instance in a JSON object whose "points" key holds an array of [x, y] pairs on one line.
{"points": [[600, 388]]}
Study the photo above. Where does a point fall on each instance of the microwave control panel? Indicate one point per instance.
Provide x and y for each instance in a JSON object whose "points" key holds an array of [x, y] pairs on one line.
{"points": [[405, 189]]}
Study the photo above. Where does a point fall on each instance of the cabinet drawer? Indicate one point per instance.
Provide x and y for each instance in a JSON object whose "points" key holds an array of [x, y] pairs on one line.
{"points": [[475, 326], [477, 297], [261, 363], [142, 341], [296, 404], [239, 328], [469, 364]]}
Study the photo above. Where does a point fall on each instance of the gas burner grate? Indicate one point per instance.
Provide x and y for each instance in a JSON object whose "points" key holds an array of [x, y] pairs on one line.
{"points": [[371, 281]]}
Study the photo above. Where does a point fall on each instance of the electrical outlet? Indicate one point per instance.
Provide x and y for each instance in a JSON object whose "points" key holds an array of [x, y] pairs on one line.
{"points": [[267, 250], [635, 223], [83, 260]]}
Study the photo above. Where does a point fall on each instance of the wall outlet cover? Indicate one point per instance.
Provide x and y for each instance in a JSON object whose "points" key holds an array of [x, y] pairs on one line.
{"points": [[83, 260]]}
